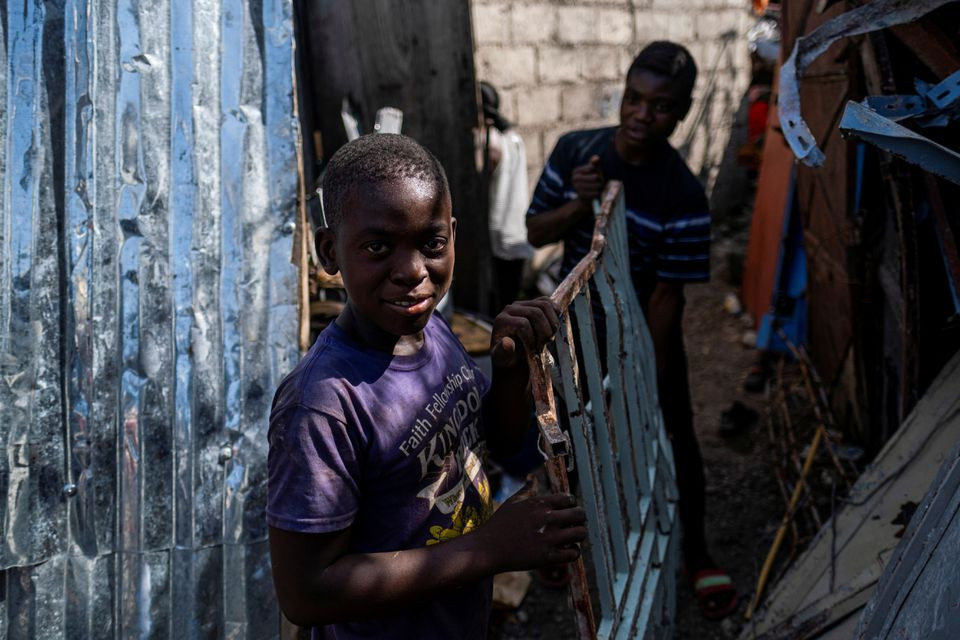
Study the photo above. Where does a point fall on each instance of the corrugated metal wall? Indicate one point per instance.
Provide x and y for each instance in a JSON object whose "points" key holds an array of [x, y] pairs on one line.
{"points": [[147, 310]]}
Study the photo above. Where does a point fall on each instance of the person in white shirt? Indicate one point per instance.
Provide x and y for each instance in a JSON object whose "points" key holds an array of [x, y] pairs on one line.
{"points": [[506, 164]]}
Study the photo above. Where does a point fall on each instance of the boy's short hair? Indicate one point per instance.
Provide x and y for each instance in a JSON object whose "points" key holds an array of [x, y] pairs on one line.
{"points": [[374, 158], [668, 59]]}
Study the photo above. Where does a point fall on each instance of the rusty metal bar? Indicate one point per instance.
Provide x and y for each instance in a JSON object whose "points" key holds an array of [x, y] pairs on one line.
{"points": [[583, 448]]}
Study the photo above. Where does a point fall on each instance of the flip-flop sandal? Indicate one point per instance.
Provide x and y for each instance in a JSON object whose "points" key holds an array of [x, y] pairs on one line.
{"points": [[715, 593]]}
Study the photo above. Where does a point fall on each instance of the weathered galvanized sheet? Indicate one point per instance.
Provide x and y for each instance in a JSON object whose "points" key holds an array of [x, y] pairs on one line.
{"points": [[623, 458], [147, 309]]}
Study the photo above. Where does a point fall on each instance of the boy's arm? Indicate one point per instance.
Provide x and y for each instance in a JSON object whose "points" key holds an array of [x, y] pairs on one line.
{"points": [[550, 226], [318, 582], [527, 324]]}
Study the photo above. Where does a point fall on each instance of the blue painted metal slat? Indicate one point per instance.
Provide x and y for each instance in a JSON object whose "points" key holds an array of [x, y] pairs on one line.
{"points": [[623, 456]]}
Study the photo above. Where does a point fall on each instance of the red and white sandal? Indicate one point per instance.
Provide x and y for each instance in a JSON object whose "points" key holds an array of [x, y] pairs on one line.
{"points": [[715, 593]]}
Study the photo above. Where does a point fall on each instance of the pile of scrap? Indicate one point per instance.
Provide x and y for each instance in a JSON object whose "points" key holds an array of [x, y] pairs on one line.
{"points": [[813, 468], [865, 151], [868, 99], [824, 593]]}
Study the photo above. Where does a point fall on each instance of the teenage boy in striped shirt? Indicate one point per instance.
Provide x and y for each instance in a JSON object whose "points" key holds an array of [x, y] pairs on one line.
{"points": [[668, 222]]}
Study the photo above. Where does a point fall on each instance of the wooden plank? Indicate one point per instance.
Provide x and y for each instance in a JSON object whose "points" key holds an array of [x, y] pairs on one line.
{"points": [[766, 225], [932, 47], [865, 535]]}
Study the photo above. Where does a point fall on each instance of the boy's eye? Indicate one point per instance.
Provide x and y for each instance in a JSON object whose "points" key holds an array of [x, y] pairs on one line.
{"points": [[663, 106], [436, 244], [376, 248]]}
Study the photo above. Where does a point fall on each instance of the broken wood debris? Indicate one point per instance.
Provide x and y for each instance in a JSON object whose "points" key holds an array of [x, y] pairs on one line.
{"points": [[784, 440]]}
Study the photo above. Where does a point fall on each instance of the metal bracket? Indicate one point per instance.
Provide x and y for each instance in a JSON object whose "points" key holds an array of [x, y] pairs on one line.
{"points": [[897, 108], [870, 126], [946, 92], [874, 16]]}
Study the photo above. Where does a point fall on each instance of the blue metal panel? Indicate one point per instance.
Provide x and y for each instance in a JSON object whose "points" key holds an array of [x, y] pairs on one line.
{"points": [[585, 452], [870, 126]]}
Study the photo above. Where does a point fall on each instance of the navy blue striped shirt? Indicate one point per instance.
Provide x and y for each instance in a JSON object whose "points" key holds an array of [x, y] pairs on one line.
{"points": [[668, 218]]}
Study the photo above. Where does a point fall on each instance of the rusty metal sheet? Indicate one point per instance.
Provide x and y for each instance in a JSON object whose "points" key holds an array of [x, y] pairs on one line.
{"points": [[148, 307], [766, 225]]}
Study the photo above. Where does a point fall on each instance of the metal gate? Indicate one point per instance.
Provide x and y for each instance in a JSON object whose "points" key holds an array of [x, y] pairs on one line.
{"points": [[624, 462]]}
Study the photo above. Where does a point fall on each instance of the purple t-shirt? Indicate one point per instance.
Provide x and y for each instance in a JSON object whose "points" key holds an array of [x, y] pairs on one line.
{"points": [[392, 446]]}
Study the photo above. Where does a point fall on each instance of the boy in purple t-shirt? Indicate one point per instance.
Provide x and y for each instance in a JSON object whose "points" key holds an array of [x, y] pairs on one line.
{"points": [[377, 437]]}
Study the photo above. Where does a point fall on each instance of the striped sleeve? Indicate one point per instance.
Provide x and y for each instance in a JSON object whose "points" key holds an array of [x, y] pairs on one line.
{"points": [[552, 189], [683, 253]]}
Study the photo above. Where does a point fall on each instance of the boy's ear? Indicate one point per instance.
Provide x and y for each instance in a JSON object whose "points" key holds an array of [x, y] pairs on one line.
{"points": [[326, 244]]}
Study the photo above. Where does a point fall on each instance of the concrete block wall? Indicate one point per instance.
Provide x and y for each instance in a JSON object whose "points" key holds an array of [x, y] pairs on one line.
{"points": [[559, 65]]}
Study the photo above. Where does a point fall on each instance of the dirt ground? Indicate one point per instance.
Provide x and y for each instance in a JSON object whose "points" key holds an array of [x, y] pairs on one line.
{"points": [[743, 503]]}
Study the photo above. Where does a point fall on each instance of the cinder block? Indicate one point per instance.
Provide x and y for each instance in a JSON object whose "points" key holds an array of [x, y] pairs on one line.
{"points": [[533, 144], [662, 25], [600, 63], [711, 54], [724, 108], [533, 23], [697, 152], [626, 56], [507, 67], [614, 25], [712, 25], [685, 5], [741, 56], [558, 64], [538, 105], [508, 102], [609, 106], [576, 25], [580, 102], [491, 23]]}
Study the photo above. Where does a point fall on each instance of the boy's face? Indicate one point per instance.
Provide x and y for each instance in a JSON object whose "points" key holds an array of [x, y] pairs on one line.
{"points": [[649, 111], [394, 250]]}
